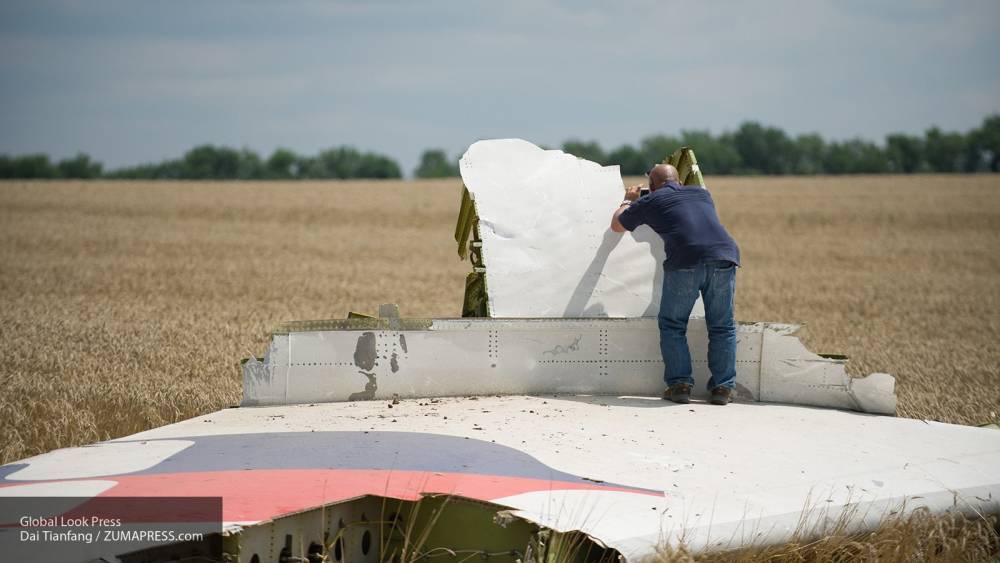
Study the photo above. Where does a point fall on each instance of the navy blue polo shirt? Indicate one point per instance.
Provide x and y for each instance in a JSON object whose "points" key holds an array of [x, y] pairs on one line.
{"points": [[685, 218]]}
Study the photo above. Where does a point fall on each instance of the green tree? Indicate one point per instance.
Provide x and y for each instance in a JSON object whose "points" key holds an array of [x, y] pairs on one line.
{"points": [[341, 163], [207, 162], [171, 169], [763, 150], [811, 151], [249, 166], [905, 153], [31, 166], [630, 159], [378, 166], [281, 165], [307, 167], [854, 156], [945, 152], [347, 162], [80, 167], [655, 148], [434, 163], [983, 151], [589, 150]]}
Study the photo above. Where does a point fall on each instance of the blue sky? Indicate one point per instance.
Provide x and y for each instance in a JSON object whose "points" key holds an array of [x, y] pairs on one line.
{"points": [[132, 81]]}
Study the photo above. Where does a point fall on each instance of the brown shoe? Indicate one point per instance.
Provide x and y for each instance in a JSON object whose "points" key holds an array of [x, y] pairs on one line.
{"points": [[678, 393], [722, 395]]}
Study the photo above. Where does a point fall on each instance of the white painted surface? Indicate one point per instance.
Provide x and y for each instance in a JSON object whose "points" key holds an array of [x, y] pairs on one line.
{"points": [[87, 488], [106, 458], [545, 219], [530, 356], [733, 474]]}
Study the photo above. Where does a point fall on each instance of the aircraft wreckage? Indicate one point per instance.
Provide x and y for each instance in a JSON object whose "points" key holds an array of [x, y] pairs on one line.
{"points": [[530, 429]]}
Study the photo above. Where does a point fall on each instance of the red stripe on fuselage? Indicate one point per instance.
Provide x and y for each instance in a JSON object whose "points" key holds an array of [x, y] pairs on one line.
{"points": [[255, 495]]}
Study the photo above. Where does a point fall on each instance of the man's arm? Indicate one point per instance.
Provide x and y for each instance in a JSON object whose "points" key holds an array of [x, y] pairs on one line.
{"points": [[631, 195]]}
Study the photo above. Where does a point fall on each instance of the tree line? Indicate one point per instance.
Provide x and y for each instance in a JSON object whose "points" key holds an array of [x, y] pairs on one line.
{"points": [[753, 149], [750, 149], [208, 162]]}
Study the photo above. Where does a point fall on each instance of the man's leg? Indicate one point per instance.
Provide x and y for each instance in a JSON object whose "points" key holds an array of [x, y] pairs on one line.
{"points": [[680, 291], [718, 294]]}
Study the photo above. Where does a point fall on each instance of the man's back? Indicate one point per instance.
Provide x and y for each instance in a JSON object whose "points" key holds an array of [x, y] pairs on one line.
{"points": [[701, 259], [686, 219]]}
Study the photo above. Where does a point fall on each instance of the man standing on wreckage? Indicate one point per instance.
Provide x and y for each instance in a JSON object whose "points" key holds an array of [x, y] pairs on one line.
{"points": [[701, 258]]}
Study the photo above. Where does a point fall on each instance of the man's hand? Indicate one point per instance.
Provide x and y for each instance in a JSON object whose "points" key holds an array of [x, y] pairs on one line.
{"points": [[632, 193]]}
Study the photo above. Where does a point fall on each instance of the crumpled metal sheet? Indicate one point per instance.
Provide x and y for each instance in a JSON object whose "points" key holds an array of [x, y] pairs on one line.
{"points": [[548, 248]]}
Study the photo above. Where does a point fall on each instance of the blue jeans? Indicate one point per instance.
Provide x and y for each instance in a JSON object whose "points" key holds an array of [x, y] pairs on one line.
{"points": [[716, 281]]}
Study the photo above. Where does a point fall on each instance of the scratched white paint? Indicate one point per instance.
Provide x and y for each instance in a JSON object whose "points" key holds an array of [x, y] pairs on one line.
{"points": [[548, 248]]}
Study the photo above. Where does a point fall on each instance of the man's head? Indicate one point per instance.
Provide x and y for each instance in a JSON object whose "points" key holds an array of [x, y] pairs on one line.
{"points": [[661, 174]]}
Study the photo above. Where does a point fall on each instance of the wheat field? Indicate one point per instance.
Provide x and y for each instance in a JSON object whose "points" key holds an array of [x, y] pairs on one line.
{"points": [[126, 305]]}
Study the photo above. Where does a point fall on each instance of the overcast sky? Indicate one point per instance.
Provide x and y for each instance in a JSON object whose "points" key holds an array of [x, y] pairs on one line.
{"points": [[132, 81]]}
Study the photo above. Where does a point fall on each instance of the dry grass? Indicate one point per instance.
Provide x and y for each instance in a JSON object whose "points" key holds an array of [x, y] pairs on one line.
{"points": [[918, 537], [125, 305], [902, 274]]}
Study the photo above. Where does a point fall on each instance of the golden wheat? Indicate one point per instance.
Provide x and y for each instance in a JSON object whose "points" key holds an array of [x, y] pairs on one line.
{"points": [[126, 304], [918, 537]]}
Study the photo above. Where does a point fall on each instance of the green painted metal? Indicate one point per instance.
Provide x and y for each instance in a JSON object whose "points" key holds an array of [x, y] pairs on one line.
{"points": [[452, 528], [449, 528], [476, 253], [356, 315], [470, 245], [684, 161], [475, 303], [231, 547], [467, 218], [441, 528]]}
